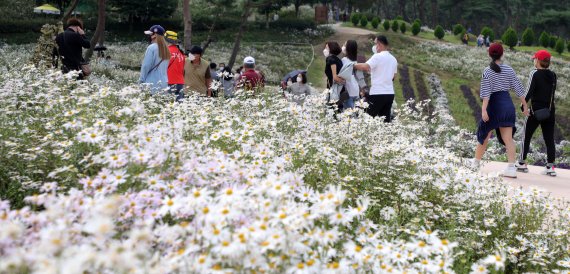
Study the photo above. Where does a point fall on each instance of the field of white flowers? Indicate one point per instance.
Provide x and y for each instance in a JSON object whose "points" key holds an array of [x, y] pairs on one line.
{"points": [[100, 177]]}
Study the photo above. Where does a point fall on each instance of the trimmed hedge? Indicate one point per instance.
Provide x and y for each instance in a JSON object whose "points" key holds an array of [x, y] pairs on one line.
{"points": [[510, 38], [553, 40], [528, 37], [544, 39], [403, 27], [395, 25], [386, 24], [439, 33], [375, 22], [559, 46], [363, 21], [416, 28], [355, 19], [458, 29]]}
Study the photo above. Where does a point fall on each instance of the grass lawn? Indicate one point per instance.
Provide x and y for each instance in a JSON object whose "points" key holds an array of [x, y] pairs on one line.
{"points": [[565, 55], [315, 74]]}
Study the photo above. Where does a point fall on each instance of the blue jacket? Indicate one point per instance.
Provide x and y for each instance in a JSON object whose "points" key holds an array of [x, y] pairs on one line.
{"points": [[153, 71]]}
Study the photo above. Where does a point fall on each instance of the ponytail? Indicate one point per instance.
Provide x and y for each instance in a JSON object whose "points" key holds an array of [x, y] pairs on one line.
{"points": [[496, 68], [163, 51]]}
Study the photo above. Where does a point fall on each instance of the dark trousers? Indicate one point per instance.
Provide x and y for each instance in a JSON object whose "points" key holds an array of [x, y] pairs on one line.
{"points": [[381, 105], [547, 127]]}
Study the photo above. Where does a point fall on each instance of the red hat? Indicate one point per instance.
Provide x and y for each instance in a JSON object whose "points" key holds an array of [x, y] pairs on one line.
{"points": [[496, 50], [542, 55]]}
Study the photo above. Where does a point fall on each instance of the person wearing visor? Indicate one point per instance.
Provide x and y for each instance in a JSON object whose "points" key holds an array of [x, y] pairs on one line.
{"points": [[155, 63]]}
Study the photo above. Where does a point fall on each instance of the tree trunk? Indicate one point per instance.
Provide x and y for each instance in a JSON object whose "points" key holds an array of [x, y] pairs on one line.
{"points": [[386, 9], [187, 25], [402, 8], [297, 5], [421, 9], [434, 13], [100, 30], [267, 20], [69, 11], [245, 15]]}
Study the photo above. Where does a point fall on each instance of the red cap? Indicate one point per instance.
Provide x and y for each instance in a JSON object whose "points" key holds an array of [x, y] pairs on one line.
{"points": [[496, 50], [542, 55]]}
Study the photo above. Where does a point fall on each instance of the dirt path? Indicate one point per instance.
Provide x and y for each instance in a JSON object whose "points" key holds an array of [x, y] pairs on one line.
{"points": [[558, 187], [316, 71]]}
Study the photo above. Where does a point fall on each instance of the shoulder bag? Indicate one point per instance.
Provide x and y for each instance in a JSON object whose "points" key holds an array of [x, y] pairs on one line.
{"points": [[544, 113]]}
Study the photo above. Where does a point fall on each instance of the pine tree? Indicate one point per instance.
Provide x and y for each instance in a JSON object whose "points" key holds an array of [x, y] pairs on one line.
{"points": [[510, 38], [416, 28], [386, 24], [559, 46], [355, 19], [375, 22], [458, 29], [363, 21], [395, 26], [544, 39], [528, 37]]}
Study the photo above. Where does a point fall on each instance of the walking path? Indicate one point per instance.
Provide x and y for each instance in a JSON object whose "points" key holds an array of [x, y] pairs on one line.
{"points": [[558, 186]]}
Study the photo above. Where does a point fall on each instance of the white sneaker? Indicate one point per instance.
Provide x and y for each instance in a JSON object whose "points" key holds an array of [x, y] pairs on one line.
{"points": [[549, 171], [510, 172], [521, 167]]}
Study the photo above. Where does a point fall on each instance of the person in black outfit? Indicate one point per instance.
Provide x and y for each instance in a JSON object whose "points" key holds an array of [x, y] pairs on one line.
{"points": [[332, 68], [541, 88], [70, 46], [333, 63]]}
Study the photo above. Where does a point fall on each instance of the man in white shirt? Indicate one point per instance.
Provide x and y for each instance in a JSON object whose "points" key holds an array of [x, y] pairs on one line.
{"points": [[383, 68]]}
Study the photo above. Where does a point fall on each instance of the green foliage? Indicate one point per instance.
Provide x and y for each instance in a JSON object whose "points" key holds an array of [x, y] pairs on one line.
{"points": [[553, 40], [355, 19], [416, 28], [544, 39], [400, 18], [559, 46], [386, 25], [528, 37], [363, 21], [439, 33], [510, 38], [458, 29], [375, 22], [418, 21], [488, 32], [144, 10], [403, 27], [395, 25], [568, 45]]}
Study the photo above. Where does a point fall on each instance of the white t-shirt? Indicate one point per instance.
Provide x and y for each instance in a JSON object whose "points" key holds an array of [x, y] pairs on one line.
{"points": [[383, 68], [351, 84]]}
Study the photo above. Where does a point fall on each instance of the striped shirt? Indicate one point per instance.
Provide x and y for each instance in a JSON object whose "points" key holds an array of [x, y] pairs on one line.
{"points": [[504, 81]]}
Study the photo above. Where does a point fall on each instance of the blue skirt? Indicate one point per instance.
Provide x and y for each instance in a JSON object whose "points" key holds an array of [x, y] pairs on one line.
{"points": [[501, 111]]}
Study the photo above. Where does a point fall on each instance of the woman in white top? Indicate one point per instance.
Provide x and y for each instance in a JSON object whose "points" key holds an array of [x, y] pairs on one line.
{"points": [[350, 50]]}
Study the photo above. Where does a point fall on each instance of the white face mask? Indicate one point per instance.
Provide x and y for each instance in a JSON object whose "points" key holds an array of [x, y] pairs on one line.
{"points": [[299, 79], [326, 52], [374, 51], [289, 82], [343, 49], [191, 57]]}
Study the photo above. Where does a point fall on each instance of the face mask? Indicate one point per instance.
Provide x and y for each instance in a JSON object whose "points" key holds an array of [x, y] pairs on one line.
{"points": [[374, 49], [299, 79], [191, 57], [289, 82], [326, 52], [343, 49]]}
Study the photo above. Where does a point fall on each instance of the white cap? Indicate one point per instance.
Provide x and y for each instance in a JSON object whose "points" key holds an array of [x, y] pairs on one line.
{"points": [[249, 60]]}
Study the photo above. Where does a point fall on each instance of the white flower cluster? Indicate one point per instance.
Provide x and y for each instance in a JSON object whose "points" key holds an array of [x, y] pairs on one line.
{"points": [[106, 178]]}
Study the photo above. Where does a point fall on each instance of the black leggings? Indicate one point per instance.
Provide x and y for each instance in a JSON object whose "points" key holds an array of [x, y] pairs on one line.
{"points": [[547, 127], [381, 105]]}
